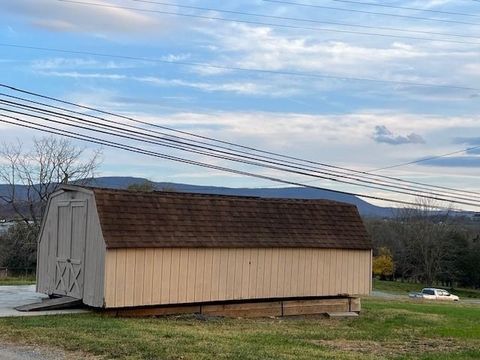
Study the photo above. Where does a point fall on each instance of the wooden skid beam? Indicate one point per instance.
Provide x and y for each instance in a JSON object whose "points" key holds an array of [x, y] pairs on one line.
{"points": [[258, 309], [248, 309], [308, 307], [155, 311]]}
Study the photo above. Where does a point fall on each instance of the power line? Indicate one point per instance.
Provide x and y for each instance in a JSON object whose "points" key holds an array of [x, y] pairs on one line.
{"points": [[369, 12], [426, 159], [197, 136], [122, 134], [242, 69], [264, 23], [167, 139], [302, 19], [276, 168], [300, 170], [51, 130], [265, 164], [192, 162], [402, 8]]}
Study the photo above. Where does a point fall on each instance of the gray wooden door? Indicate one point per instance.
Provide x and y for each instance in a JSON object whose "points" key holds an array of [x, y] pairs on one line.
{"points": [[70, 248]]}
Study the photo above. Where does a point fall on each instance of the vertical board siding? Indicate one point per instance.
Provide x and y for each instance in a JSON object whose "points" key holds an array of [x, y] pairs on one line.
{"points": [[136, 277], [173, 285], [120, 280], [110, 277], [164, 276], [207, 276], [84, 229], [148, 278]]}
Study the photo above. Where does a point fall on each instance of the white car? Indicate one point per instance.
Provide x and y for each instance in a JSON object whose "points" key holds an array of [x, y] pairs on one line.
{"points": [[435, 294]]}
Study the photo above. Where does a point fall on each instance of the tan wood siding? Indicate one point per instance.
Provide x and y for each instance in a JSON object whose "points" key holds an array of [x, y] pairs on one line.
{"points": [[137, 277]]}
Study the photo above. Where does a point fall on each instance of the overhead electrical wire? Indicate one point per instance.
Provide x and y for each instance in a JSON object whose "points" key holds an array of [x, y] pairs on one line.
{"points": [[426, 159], [301, 170], [53, 130], [264, 23], [100, 141], [167, 141], [336, 169], [362, 173], [242, 69], [400, 7], [366, 12], [297, 19], [304, 20], [253, 163], [174, 139]]}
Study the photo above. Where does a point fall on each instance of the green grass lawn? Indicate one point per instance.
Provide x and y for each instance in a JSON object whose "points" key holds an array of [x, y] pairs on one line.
{"points": [[397, 287], [20, 280], [385, 330]]}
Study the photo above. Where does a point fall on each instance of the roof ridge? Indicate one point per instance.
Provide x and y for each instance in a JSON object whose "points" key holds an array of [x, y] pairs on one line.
{"points": [[225, 196]]}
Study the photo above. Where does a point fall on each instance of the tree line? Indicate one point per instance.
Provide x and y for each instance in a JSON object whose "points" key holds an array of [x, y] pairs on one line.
{"points": [[425, 246]]}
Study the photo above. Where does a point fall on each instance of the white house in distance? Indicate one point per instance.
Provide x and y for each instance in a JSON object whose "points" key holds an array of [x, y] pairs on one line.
{"points": [[5, 225]]}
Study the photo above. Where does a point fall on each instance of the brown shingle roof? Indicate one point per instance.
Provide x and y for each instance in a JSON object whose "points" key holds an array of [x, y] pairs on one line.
{"points": [[167, 219]]}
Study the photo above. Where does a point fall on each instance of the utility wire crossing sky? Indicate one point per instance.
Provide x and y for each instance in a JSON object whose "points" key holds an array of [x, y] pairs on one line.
{"points": [[355, 85]]}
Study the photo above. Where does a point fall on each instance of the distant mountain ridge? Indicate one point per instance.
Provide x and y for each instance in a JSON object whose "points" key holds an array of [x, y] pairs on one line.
{"points": [[364, 207], [120, 182]]}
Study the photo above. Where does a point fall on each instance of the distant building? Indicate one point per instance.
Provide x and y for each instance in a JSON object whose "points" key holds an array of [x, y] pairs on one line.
{"points": [[5, 225]]}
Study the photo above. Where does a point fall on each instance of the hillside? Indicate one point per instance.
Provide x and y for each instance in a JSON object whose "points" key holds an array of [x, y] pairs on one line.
{"points": [[365, 208]]}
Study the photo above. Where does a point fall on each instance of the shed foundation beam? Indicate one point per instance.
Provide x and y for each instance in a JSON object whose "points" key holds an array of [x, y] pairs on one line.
{"points": [[248, 309]]}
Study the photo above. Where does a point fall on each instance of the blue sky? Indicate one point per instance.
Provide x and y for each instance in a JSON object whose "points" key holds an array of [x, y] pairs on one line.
{"points": [[361, 125]]}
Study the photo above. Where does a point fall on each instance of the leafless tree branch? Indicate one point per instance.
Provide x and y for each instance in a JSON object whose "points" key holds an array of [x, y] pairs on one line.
{"points": [[31, 176]]}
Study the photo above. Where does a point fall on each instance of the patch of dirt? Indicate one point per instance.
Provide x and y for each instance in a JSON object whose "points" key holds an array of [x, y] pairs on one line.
{"points": [[10, 351], [414, 346]]}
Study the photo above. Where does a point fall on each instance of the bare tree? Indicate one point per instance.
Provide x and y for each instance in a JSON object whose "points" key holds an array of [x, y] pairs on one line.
{"points": [[425, 234], [420, 240], [31, 176]]}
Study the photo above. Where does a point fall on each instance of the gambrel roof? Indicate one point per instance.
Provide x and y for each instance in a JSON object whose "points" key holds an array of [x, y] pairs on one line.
{"points": [[175, 219]]}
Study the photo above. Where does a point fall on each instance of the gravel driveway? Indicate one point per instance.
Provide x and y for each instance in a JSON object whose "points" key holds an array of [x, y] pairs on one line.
{"points": [[23, 352], [14, 352]]}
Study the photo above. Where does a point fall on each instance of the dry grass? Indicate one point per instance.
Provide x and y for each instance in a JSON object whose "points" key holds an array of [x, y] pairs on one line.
{"points": [[385, 330]]}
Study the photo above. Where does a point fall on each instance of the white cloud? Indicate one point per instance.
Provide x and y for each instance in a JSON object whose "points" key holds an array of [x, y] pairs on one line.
{"points": [[60, 63], [472, 69], [95, 20], [329, 130], [79, 75], [238, 87], [267, 48], [175, 57]]}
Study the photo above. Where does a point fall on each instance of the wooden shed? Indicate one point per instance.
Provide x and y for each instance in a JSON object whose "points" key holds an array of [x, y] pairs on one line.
{"points": [[118, 249]]}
